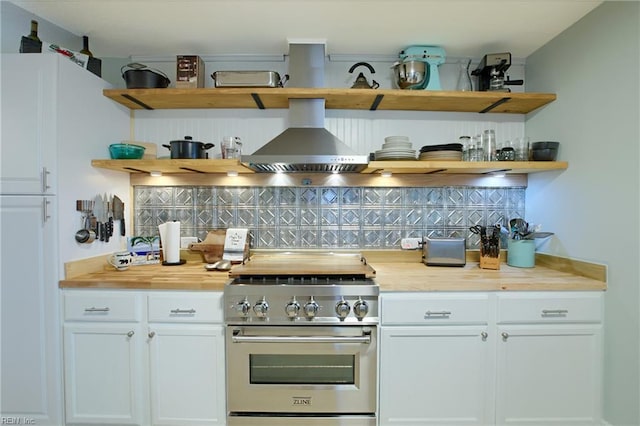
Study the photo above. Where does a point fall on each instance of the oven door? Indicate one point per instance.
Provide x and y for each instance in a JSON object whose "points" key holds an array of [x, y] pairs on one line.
{"points": [[301, 369]]}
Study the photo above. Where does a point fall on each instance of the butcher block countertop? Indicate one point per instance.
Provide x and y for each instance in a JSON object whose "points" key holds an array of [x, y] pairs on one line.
{"points": [[394, 271]]}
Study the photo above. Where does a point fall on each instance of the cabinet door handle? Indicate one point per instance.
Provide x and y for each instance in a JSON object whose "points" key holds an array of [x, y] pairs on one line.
{"points": [[554, 312], [484, 336], [131, 333], [437, 314], [183, 311], [151, 334], [45, 211], [94, 309], [505, 336], [45, 180]]}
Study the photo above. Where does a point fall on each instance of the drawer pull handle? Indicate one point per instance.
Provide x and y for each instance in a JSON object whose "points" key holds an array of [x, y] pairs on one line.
{"points": [[555, 312], [183, 311], [94, 309], [130, 334], [484, 336], [151, 334], [437, 314], [505, 336]]}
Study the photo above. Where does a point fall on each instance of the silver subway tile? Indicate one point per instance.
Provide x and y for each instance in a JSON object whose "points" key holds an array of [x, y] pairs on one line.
{"points": [[329, 217], [329, 196], [350, 196], [183, 196]]}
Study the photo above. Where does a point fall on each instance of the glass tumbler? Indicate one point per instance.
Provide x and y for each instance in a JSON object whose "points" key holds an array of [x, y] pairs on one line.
{"points": [[489, 145]]}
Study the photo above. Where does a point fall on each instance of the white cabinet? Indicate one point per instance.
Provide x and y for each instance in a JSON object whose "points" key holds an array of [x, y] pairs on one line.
{"points": [[186, 359], [28, 161], [139, 358], [103, 373], [104, 357], [435, 357], [31, 385], [508, 358], [549, 356]]}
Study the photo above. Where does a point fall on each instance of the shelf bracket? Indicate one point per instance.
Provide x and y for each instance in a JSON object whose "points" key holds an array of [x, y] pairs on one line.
{"points": [[136, 101], [192, 170], [135, 170], [495, 104], [257, 100], [376, 102]]}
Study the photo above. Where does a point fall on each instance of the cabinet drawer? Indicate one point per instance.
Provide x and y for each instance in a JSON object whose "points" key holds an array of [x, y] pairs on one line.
{"points": [[440, 309], [550, 307], [185, 307], [88, 305]]}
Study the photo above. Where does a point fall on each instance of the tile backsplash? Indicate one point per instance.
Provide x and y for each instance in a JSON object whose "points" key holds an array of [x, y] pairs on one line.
{"points": [[327, 217]]}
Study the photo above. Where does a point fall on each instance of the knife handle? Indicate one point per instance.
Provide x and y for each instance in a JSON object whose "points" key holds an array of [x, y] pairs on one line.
{"points": [[105, 230], [122, 230]]}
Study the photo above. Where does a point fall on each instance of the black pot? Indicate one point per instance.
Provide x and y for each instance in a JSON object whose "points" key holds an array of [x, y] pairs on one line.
{"points": [[188, 148], [138, 76]]}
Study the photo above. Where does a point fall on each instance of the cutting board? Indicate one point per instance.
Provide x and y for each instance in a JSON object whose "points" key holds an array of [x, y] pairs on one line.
{"points": [[292, 263]]}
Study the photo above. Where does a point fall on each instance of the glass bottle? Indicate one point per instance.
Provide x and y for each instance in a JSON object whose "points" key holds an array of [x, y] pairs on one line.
{"points": [[464, 78], [85, 46], [33, 35]]}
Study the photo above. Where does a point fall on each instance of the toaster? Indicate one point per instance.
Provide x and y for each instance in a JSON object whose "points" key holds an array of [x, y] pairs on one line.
{"points": [[444, 252]]}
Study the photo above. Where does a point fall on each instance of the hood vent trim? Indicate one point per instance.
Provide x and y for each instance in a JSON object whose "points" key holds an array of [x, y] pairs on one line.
{"points": [[306, 146]]}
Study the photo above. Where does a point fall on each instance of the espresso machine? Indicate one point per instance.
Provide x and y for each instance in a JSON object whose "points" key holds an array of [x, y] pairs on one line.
{"points": [[490, 73], [432, 57]]}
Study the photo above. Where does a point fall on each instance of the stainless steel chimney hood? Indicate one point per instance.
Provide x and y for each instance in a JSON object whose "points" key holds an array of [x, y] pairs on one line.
{"points": [[306, 146]]}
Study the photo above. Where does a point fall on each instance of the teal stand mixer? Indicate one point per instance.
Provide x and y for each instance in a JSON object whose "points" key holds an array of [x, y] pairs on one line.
{"points": [[418, 68]]}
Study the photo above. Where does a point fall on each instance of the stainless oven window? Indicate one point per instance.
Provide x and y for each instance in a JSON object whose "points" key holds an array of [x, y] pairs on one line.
{"points": [[319, 369]]}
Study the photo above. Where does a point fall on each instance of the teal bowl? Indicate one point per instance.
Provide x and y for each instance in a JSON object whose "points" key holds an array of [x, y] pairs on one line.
{"points": [[125, 151]]}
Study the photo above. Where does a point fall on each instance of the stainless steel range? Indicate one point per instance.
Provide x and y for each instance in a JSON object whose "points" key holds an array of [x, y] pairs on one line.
{"points": [[301, 340]]}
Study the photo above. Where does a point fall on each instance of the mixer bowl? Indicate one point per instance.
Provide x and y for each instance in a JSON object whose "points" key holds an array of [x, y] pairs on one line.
{"points": [[411, 74]]}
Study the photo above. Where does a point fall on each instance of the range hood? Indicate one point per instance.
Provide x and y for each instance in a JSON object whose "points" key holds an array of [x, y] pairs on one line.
{"points": [[306, 146]]}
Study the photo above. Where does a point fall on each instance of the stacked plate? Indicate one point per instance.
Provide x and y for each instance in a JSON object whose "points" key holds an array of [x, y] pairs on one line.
{"points": [[444, 152], [396, 148]]}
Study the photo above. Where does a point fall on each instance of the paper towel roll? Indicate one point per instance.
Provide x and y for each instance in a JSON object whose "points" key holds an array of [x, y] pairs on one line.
{"points": [[170, 239]]}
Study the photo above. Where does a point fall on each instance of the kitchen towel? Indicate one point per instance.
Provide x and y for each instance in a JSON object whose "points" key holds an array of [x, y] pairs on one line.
{"points": [[234, 244], [170, 240]]}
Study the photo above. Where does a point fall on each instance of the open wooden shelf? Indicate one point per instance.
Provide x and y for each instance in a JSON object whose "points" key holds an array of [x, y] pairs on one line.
{"points": [[187, 166], [172, 166], [356, 99]]}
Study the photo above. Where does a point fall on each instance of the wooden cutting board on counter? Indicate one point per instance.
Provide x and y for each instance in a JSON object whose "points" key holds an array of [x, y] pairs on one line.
{"points": [[295, 263]]}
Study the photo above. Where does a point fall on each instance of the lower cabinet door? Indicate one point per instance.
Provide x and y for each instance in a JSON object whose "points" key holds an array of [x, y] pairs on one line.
{"points": [[549, 375], [187, 377], [103, 373], [436, 375]]}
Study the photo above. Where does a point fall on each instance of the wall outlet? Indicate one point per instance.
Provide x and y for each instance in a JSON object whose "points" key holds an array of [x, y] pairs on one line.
{"points": [[411, 243], [185, 241]]}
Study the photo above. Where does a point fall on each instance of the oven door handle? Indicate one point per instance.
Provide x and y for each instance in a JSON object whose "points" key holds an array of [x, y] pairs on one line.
{"points": [[237, 338]]}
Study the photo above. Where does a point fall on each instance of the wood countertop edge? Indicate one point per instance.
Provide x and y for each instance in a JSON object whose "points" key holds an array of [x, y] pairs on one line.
{"points": [[391, 276]]}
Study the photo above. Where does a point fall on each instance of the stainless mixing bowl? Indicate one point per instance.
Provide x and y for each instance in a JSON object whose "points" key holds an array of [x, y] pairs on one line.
{"points": [[411, 74]]}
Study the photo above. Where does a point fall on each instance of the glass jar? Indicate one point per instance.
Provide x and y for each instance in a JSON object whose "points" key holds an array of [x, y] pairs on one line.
{"points": [[465, 141]]}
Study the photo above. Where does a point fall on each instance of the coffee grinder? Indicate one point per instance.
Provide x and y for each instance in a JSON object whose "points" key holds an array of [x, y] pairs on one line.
{"points": [[490, 73], [432, 56]]}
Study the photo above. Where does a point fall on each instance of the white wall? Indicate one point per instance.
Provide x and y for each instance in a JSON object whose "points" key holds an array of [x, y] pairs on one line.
{"points": [[593, 207]]}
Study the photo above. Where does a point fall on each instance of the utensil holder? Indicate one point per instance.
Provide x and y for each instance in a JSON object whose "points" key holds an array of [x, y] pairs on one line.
{"points": [[521, 253], [489, 262]]}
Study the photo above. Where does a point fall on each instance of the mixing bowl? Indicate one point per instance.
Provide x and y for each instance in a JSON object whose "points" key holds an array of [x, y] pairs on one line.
{"points": [[411, 74], [125, 151]]}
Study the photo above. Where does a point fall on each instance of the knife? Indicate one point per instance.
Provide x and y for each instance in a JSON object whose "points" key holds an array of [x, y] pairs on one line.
{"points": [[98, 213], [108, 216], [118, 213], [105, 217]]}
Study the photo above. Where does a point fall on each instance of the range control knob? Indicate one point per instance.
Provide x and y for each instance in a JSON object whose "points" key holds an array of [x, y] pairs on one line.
{"points": [[342, 309], [292, 308], [360, 308], [261, 307], [243, 307], [311, 308]]}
